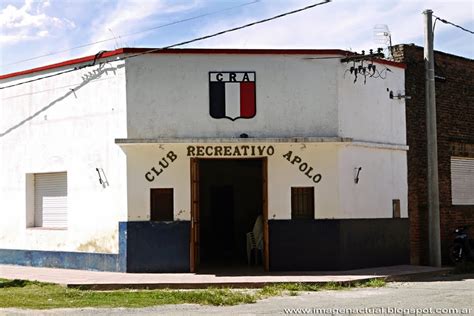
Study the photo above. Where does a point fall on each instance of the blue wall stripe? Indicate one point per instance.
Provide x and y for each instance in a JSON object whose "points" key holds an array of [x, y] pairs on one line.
{"points": [[123, 236], [60, 259]]}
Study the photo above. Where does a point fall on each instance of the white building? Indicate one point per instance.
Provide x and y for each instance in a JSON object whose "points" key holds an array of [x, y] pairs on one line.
{"points": [[156, 162]]}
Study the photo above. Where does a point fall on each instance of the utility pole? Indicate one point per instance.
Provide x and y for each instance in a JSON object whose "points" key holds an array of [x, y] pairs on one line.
{"points": [[432, 145]]}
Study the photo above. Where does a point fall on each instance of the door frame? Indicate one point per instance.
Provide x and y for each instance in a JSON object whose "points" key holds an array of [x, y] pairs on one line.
{"points": [[195, 208]]}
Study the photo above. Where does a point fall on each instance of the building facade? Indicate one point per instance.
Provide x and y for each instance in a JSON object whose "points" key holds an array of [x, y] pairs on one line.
{"points": [[455, 131], [163, 162]]}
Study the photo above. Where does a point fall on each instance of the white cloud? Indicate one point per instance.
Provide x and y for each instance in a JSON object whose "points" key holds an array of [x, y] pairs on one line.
{"points": [[344, 24], [29, 22], [43, 33], [129, 16]]}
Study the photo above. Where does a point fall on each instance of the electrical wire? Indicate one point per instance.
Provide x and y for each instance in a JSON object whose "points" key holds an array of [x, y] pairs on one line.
{"points": [[448, 22], [51, 89], [41, 78], [133, 33], [173, 45], [250, 24]]}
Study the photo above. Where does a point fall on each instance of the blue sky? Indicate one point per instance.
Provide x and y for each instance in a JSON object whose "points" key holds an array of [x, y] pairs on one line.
{"points": [[30, 28]]}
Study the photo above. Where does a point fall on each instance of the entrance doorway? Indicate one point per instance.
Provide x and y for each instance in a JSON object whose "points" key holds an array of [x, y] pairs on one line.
{"points": [[228, 195]]}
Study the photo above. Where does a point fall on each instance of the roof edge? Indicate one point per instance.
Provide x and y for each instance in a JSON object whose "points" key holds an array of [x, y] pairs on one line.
{"points": [[62, 64], [412, 45], [236, 51]]}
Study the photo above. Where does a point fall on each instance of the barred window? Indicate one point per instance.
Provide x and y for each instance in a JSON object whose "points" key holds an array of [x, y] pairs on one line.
{"points": [[302, 202]]}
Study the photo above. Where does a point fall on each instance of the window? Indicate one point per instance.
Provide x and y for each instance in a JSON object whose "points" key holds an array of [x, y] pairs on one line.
{"points": [[50, 200], [396, 208], [302, 203], [462, 181], [161, 204]]}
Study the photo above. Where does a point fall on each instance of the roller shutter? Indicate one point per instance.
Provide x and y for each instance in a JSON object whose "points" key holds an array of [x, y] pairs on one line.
{"points": [[51, 200], [462, 181]]}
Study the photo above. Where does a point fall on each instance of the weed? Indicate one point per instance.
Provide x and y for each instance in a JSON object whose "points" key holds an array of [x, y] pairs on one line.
{"points": [[37, 295]]}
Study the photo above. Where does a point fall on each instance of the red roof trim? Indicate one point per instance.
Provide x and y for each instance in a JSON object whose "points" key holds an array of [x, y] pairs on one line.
{"points": [[121, 51], [391, 63], [61, 64]]}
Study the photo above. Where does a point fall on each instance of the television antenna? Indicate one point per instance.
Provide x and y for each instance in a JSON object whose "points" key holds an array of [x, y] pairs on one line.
{"points": [[383, 36]]}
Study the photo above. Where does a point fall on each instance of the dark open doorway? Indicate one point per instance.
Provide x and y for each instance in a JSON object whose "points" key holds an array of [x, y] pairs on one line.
{"points": [[230, 201]]}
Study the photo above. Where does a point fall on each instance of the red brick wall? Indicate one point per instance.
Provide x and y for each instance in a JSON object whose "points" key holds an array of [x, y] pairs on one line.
{"points": [[455, 126]]}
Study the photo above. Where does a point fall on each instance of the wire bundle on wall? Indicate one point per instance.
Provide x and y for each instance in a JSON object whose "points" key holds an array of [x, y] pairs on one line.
{"points": [[363, 66]]}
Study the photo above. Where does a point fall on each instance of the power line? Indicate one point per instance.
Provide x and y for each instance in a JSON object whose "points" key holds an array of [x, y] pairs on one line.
{"points": [[134, 33], [41, 78], [228, 30], [250, 24], [458, 26], [98, 55]]}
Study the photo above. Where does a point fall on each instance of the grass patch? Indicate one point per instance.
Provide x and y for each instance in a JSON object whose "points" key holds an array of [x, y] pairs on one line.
{"points": [[37, 295], [293, 288], [380, 282]]}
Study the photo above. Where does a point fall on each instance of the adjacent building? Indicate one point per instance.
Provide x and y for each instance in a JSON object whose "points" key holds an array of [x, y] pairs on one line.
{"points": [[454, 77]]}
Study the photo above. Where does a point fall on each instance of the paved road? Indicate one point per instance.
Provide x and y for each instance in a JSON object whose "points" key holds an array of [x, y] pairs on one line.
{"points": [[436, 293]]}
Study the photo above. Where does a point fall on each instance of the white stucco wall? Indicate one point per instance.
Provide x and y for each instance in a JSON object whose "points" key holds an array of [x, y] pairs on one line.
{"points": [[296, 95], [366, 113], [168, 96], [47, 127], [282, 175], [383, 178]]}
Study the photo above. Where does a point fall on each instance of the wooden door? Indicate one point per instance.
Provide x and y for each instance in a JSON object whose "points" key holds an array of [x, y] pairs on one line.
{"points": [[194, 240], [266, 251]]}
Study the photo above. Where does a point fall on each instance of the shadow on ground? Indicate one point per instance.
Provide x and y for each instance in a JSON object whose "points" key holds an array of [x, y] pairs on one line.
{"points": [[13, 283]]}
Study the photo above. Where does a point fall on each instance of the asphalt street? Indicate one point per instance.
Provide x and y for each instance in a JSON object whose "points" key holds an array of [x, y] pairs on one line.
{"points": [[444, 295]]}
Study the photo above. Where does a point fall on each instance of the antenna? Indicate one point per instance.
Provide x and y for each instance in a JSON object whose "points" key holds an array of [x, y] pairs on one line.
{"points": [[383, 36], [115, 39]]}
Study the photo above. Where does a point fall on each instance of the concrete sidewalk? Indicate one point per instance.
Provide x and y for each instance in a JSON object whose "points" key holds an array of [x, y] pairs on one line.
{"points": [[114, 280]]}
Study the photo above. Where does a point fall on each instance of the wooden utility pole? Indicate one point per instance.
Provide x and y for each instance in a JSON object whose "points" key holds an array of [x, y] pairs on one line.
{"points": [[432, 145]]}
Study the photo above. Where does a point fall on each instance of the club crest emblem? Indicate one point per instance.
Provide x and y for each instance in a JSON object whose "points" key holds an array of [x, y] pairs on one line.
{"points": [[232, 95]]}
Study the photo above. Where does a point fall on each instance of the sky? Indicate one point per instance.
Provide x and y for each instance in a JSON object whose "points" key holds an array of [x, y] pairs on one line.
{"points": [[33, 28]]}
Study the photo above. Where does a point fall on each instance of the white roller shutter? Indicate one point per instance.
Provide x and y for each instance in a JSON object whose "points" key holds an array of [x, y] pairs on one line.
{"points": [[51, 200], [462, 181]]}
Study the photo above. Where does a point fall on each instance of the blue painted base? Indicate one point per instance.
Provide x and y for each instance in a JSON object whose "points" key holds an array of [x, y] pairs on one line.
{"points": [[338, 244], [294, 245], [143, 247], [60, 259], [155, 246]]}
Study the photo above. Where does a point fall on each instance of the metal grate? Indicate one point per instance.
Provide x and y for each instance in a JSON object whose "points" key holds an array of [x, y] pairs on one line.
{"points": [[51, 200], [462, 181]]}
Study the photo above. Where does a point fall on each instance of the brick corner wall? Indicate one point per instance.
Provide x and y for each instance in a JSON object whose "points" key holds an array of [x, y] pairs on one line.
{"points": [[455, 131]]}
